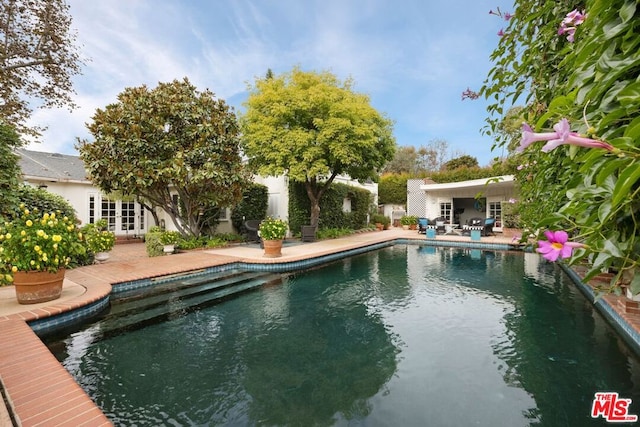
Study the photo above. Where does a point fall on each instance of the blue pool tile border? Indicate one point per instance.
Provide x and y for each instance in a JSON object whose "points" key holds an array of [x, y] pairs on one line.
{"points": [[55, 323], [626, 331]]}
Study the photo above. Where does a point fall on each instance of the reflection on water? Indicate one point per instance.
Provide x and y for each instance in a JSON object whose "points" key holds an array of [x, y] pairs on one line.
{"points": [[408, 335]]}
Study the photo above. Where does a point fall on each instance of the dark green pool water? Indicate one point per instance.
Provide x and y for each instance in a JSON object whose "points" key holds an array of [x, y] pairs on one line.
{"points": [[404, 336]]}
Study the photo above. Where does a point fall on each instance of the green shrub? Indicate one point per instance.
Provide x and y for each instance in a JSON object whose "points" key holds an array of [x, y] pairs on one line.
{"points": [[331, 205], [380, 219], [333, 233], [152, 243]]}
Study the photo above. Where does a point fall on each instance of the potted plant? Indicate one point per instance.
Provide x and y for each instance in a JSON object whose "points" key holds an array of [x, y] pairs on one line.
{"points": [[409, 222], [169, 239], [272, 231], [381, 221], [99, 239], [35, 250]]}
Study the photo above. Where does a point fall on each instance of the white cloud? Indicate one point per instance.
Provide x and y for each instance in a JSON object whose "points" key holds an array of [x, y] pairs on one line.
{"points": [[413, 58]]}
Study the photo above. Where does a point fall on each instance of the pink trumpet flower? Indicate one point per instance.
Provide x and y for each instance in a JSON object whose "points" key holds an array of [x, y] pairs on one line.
{"points": [[557, 245], [562, 135]]}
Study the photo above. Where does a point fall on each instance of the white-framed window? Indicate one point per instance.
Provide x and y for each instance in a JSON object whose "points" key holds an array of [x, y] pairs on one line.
{"points": [[92, 209], [108, 212], [128, 216], [495, 211], [225, 214], [445, 210]]}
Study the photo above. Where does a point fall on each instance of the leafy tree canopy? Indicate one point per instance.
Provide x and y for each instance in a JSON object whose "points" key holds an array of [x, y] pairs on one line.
{"points": [[154, 143], [38, 58], [313, 127], [465, 161], [9, 169]]}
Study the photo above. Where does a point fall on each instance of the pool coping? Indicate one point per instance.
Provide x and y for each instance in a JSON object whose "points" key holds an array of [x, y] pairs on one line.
{"points": [[34, 392]]}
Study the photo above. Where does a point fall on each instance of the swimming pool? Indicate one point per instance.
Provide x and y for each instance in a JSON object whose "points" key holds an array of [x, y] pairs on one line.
{"points": [[405, 335]]}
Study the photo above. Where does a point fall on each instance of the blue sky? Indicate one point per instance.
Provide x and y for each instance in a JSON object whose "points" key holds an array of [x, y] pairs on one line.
{"points": [[413, 57]]}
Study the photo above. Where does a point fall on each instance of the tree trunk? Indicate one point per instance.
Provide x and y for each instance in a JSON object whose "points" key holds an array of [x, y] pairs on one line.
{"points": [[315, 192], [315, 213]]}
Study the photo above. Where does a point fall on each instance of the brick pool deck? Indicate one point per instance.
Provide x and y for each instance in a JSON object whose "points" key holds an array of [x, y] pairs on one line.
{"points": [[40, 392]]}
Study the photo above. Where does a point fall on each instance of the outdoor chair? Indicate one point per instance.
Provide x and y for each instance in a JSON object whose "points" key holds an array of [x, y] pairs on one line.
{"points": [[440, 228], [422, 225], [308, 233], [252, 226], [488, 226]]}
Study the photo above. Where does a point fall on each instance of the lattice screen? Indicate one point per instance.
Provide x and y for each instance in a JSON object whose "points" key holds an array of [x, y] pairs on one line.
{"points": [[416, 198]]}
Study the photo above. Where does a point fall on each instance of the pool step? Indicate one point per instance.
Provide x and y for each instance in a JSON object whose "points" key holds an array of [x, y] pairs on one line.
{"points": [[175, 298]]}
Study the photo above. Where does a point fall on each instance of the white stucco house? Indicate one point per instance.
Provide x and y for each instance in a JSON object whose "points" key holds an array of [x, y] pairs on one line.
{"points": [[66, 176], [457, 202]]}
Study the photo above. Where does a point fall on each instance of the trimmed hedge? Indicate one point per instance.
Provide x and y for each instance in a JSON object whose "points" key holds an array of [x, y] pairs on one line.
{"points": [[253, 205], [331, 204]]}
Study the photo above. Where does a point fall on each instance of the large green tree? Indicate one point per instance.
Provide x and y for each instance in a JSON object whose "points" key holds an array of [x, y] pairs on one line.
{"points": [[38, 58], [313, 128], [166, 141], [9, 169]]}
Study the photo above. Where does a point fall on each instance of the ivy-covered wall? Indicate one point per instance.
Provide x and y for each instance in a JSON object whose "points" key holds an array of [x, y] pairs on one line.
{"points": [[331, 214], [255, 199]]}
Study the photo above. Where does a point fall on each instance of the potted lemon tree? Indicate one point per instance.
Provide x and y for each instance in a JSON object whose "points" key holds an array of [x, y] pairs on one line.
{"points": [[35, 250], [99, 239], [272, 231], [169, 239]]}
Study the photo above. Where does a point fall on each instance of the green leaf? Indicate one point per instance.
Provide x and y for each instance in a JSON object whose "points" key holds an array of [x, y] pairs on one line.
{"points": [[635, 284], [626, 180], [627, 11], [612, 248], [604, 210]]}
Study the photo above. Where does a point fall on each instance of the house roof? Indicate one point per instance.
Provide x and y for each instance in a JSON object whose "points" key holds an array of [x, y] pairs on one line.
{"points": [[53, 167], [496, 181]]}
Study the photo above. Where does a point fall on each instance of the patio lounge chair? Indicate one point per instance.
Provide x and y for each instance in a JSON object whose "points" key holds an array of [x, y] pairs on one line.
{"points": [[488, 226], [252, 226], [422, 225], [440, 228]]}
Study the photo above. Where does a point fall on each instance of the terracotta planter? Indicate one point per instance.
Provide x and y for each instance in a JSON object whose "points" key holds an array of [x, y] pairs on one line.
{"points": [[33, 287], [272, 248]]}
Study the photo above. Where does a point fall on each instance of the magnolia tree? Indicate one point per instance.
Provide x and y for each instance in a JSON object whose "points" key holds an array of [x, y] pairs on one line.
{"points": [[166, 141], [575, 66], [312, 128], [38, 58]]}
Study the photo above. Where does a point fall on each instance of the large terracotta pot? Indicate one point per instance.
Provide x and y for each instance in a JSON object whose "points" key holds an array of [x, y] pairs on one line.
{"points": [[272, 248], [33, 287]]}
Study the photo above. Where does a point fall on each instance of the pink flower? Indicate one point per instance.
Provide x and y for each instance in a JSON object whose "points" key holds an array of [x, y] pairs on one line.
{"points": [[570, 22], [562, 135], [500, 33], [507, 16], [556, 246]]}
